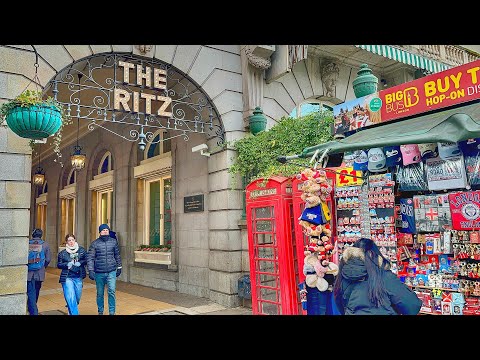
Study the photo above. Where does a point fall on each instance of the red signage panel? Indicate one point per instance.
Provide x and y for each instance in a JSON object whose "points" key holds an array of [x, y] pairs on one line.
{"points": [[444, 89], [433, 92]]}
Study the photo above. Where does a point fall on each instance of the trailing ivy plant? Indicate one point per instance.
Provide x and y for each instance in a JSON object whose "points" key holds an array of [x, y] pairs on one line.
{"points": [[31, 98], [257, 155]]}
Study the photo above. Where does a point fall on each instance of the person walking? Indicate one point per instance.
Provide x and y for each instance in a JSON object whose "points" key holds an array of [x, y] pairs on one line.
{"points": [[72, 261], [104, 266], [365, 284], [39, 256]]}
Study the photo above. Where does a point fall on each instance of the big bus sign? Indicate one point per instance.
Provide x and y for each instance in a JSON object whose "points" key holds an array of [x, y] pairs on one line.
{"points": [[441, 90]]}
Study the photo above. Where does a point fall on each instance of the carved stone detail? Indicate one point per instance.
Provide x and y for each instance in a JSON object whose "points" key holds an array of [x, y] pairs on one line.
{"points": [[257, 61], [144, 49], [329, 74]]}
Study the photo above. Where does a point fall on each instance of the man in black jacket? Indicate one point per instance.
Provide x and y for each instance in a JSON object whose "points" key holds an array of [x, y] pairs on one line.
{"points": [[104, 266]]}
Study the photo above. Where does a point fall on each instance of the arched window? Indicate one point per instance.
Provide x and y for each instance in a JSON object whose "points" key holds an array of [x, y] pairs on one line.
{"points": [[72, 177], [43, 189], [310, 106], [105, 163], [158, 146]]}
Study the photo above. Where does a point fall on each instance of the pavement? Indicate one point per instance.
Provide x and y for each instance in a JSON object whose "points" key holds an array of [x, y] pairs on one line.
{"points": [[131, 299]]}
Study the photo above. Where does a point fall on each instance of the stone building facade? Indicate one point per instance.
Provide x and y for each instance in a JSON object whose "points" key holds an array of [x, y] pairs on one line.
{"points": [[209, 250]]}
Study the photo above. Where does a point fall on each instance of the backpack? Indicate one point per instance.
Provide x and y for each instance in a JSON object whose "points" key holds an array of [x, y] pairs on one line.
{"points": [[36, 255]]}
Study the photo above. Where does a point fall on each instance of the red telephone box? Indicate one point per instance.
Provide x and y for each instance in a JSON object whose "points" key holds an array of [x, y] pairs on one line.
{"points": [[300, 239], [270, 226]]}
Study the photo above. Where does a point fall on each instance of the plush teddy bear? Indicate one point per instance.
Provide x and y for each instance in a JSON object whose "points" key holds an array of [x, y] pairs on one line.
{"points": [[314, 273]]}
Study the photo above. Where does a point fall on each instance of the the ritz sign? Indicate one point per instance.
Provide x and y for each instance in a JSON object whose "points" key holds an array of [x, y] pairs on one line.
{"points": [[130, 102]]}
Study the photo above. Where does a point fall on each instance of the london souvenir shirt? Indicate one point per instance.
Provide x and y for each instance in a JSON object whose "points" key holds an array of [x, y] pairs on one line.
{"points": [[407, 215], [465, 209]]}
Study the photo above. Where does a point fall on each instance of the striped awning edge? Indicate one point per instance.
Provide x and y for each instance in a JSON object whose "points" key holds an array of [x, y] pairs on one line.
{"points": [[405, 57]]}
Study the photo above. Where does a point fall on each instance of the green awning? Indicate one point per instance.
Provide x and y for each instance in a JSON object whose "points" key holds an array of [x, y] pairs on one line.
{"points": [[445, 126], [405, 57]]}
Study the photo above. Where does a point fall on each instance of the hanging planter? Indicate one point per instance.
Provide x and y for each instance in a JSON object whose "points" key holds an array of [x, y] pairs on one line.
{"points": [[31, 117]]}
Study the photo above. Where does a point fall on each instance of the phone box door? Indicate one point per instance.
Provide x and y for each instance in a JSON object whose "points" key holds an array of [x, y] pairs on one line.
{"points": [[270, 228]]}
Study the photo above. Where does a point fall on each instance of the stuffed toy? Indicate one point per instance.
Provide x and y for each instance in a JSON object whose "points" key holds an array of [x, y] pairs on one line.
{"points": [[314, 221], [314, 273]]}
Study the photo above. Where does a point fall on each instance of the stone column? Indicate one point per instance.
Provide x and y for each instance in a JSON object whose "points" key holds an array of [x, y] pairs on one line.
{"points": [[224, 240], [253, 70], [15, 192]]}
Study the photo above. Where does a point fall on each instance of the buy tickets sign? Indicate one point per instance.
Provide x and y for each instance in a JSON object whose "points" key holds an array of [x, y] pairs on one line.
{"points": [[342, 178], [446, 88]]}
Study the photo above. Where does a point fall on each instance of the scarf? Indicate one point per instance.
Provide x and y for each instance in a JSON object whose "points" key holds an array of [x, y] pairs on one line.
{"points": [[72, 250]]}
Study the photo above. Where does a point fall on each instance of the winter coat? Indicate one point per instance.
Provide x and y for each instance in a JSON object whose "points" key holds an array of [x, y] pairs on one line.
{"points": [[39, 275], [103, 255], [64, 258], [401, 300]]}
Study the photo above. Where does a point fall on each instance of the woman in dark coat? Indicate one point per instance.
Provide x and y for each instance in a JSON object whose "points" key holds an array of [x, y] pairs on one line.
{"points": [[72, 261], [366, 286]]}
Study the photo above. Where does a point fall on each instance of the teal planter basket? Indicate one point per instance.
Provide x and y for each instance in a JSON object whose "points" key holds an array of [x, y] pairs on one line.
{"points": [[34, 122]]}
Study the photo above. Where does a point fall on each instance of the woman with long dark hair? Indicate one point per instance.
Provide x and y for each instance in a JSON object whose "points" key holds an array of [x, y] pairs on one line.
{"points": [[366, 286]]}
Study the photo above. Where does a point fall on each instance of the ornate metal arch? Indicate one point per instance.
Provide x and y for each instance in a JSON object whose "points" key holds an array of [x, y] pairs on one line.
{"points": [[90, 89]]}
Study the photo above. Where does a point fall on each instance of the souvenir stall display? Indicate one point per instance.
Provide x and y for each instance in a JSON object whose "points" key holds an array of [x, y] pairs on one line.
{"points": [[419, 207], [438, 240], [420, 164], [381, 202], [318, 268]]}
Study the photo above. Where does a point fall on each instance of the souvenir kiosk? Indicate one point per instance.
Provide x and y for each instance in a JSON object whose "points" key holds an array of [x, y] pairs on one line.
{"points": [[270, 225], [432, 127]]}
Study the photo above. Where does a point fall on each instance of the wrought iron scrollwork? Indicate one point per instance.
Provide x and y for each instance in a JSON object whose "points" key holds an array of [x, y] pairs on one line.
{"points": [[87, 90]]}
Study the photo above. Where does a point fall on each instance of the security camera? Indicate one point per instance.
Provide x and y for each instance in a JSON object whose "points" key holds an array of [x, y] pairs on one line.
{"points": [[202, 148]]}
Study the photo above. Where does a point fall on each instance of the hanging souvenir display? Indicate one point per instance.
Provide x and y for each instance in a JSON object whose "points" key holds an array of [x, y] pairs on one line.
{"points": [[407, 216], [446, 174], [314, 221], [465, 210], [411, 177]]}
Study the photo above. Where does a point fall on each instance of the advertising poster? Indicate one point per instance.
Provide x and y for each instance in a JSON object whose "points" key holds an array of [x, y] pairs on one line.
{"points": [[433, 92]]}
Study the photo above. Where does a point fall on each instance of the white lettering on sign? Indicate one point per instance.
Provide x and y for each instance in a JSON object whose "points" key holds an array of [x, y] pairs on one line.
{"points": [[263, 192], [122, 99]]}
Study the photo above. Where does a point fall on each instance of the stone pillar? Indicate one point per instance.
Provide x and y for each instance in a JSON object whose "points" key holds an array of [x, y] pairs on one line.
{"points": [[81, 230], [15, 192], [225, 243], [122, 211], [253, 67]]}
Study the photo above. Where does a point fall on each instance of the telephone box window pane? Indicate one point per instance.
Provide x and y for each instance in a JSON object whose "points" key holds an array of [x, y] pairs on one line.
{"points": [[269, 309], [266, 266], [265, 253], [268, 280], [264, 212], [264, 225], [265, 239]]}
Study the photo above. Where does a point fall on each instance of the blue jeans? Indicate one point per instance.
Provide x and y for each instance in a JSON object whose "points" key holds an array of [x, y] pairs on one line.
{"points": [[110, 279], [72, 291], [320, 302], [33, 290]]}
